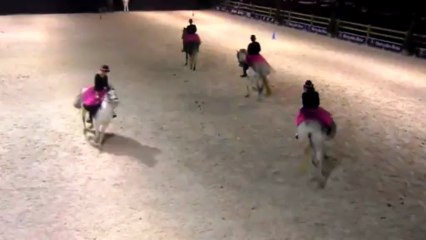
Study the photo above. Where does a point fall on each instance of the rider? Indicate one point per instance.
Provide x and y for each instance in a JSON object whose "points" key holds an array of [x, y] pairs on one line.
{"points": [[190, 29], [101, 78], [252, 49], [311, 108], [93, 96], [310, 97]]}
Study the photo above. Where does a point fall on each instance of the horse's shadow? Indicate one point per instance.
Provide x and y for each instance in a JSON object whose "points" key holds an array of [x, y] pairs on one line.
{"points": [[124, 146], [330, 163]]}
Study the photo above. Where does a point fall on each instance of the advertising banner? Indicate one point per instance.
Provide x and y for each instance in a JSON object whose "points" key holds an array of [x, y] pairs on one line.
{"points": [[421, 52], [298, 25], [352, 37], [318, 29], [348, 36], [383, 44]]}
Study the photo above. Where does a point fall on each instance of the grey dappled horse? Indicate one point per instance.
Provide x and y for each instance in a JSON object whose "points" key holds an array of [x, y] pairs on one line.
{"points": [[259, 79], [191, 50]]}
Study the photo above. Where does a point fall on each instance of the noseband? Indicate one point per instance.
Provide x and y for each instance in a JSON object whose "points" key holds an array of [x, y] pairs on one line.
{"points": [[111, 97]]}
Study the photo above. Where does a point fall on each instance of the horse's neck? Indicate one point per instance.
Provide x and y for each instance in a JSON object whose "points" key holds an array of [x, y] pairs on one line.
{"points": [[242, 57], [106, 105]]}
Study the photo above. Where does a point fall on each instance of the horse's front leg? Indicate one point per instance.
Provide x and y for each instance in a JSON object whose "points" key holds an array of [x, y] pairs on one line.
{"points": [[83, 118], [186, 59], [317, 147], [248, 89], [194, 61], [102, 133], [320, 159], [260, 86], [96, 127], [266, 85]]}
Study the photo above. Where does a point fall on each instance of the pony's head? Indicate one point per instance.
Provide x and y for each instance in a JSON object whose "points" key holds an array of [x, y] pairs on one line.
{"points": [[111, 97], [241, 55]]}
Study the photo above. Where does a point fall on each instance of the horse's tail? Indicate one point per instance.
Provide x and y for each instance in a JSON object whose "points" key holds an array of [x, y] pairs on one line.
{"points": [[262, 68], [77, 101], [79, 98], [311, 130]]}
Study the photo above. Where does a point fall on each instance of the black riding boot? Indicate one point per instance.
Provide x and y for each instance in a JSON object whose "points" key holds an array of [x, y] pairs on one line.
{"points": [[245, 68], [90, 119]]}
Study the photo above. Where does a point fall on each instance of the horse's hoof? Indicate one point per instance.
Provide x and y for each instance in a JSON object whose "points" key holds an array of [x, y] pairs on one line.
{"points": [[247, 96], [321, 183]]}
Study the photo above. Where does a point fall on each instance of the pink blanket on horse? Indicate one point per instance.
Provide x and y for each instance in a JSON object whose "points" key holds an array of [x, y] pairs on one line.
{"points": [[89, 97], [318, 114], [252, 59], [191, 38]]}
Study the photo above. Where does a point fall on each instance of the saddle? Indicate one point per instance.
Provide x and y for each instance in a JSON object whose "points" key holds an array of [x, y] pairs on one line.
{"points": [[253, 59], [319, 114], [90, 97], [191, 38]]}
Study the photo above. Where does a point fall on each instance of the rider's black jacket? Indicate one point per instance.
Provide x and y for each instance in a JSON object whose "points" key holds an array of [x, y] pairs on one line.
{"points": [[101, 83], [310, 99], [191, 29], [253, 48]]}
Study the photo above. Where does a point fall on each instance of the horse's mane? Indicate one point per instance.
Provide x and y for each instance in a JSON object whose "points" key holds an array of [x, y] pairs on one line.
{"points": [[183, 32]]}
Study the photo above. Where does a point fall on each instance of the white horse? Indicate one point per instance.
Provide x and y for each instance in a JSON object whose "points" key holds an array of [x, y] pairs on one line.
{"points": [[316, 134], [191, 50], [254, 82], [126, 5], [103, 116], [257, 75]]}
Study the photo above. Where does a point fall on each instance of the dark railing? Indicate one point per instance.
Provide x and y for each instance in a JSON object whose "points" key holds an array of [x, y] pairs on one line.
{"points": [[389, 39]]}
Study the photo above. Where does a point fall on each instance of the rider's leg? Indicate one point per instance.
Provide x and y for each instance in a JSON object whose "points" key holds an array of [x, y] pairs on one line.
{"points": [[245, 68], [92, 112], [89, 110]]}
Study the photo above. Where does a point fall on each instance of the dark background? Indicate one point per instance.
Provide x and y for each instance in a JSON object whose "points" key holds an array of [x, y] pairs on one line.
{"points": [[79, 6], [395, 14], [400, 15]]}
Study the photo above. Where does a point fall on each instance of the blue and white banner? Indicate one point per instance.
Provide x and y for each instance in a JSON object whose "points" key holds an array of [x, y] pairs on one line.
{"points": [[352, 37], [262, 17], [298, 25], [318, 29], [421, 52], [387, 45], [307, 27]]}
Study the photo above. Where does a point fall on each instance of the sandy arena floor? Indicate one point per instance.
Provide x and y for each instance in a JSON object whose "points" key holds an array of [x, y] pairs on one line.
{"points": [[191, 158]]}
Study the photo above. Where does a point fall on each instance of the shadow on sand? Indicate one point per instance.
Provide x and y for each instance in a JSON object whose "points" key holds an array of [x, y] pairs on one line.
{"points": [[330, 163], [124, 146]]}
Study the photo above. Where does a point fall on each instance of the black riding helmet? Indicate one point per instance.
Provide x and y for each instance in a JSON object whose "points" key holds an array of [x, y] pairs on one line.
{"points": [[308, 85], [105, 68], [102, 82]]}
